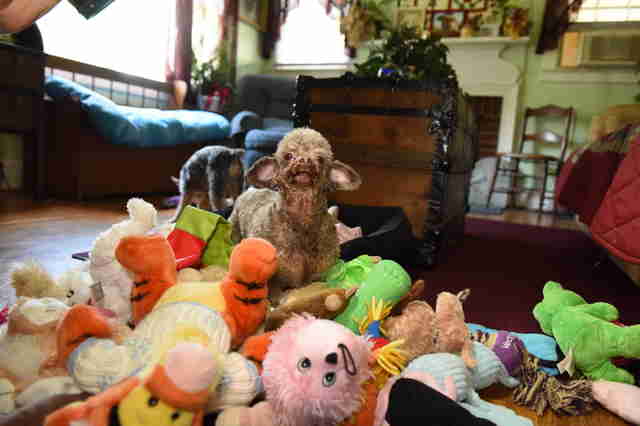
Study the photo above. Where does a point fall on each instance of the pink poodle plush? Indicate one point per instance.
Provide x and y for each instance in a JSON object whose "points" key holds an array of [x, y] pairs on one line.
{"points": [[313, 374]]}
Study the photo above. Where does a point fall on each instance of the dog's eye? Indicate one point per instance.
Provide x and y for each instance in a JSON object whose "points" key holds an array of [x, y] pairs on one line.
{"points": [[288, 156], [304, 364], [70, 294], [153, 401], [329, 379]]}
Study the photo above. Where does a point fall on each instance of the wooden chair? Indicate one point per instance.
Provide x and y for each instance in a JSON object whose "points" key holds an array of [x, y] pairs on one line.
{"points": [[508, 164]]}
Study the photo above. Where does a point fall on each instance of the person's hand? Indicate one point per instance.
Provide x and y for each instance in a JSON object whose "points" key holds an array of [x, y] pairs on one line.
{"points": [[16, 15]]}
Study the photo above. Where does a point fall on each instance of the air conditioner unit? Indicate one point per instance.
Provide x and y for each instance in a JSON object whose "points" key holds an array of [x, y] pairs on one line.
{"points": [[609, 49]]}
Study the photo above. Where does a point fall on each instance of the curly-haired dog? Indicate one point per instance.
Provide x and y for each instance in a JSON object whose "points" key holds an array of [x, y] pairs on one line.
{"points": [[289, 207], [210, 177]]}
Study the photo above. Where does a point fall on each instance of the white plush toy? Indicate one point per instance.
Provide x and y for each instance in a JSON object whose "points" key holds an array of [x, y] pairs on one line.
{"points": [[30, 279], [29, 342], [115, 281]]}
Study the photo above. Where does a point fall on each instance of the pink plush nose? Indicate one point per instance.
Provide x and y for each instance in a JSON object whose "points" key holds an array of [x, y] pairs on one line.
{"points": [[191, 367]]}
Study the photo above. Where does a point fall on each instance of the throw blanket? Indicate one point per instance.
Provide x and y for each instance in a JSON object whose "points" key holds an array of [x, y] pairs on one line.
{"points": [[600, 183], [587, 173]]}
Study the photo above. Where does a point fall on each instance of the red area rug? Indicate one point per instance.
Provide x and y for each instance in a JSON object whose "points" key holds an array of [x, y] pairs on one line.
{"points": [[506, 265]]}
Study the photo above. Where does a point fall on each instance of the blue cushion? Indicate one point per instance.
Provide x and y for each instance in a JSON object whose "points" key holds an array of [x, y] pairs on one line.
{"points": [[264, 140], [141, 127]]}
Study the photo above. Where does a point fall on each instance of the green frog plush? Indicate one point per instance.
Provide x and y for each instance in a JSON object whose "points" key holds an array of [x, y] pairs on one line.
{"points": [[586, 334]]}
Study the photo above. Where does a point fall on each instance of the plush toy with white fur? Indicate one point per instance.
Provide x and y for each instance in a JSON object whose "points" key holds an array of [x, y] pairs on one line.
{"points": [[31, 279], [28, 343], [115, 281]]}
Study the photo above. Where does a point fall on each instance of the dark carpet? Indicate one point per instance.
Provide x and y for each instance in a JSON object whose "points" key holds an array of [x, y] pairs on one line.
{"points": [[506, 265]]}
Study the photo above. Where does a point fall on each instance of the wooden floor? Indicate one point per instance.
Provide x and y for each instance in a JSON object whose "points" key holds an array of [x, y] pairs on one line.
{"points": [[49, 232]]}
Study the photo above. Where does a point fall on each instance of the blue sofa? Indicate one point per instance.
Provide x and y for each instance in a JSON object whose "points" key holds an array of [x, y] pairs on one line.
{"points": [[263, 108]]}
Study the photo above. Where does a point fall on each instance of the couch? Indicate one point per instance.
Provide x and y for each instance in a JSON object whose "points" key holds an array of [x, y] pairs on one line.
{"points": [[101, 142], [262, 114]]}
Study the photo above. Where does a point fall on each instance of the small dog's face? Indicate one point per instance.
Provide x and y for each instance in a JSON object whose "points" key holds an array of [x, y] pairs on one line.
{"points": [[303, 160]]}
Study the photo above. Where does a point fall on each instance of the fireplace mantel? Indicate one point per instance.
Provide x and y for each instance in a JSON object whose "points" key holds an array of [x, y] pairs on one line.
{"points": [[482, 71]]}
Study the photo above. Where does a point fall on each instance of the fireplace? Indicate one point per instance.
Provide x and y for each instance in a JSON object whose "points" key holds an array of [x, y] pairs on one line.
{"points": [[494, 86], [488, 110], [482, 71]]}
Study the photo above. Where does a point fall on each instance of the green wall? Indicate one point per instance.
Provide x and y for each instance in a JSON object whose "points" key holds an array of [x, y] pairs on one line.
{"points": [[588, 98]]}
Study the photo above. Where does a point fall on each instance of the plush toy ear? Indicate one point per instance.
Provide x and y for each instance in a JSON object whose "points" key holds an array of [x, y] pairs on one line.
{"points": [[262, 172], [344, 177]]}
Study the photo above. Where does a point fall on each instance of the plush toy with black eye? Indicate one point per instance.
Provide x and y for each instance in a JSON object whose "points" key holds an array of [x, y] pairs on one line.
{"points": [[174, 393]]}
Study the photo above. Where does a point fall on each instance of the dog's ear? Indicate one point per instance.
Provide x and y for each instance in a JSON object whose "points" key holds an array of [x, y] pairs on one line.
{"points": [[262, 172], [344, 177]]}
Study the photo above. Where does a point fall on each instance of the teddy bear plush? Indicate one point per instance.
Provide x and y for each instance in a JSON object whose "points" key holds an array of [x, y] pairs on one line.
{"points": [[586, 333], [29, 341], [425, 330], [31, 279]]}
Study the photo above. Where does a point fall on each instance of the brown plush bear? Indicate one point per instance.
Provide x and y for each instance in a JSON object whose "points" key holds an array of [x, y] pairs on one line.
{"points": [[427, 331]]}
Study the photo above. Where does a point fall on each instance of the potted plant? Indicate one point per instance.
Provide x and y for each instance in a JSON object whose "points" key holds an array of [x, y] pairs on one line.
{"points": [[404, 53], [211, 82]]}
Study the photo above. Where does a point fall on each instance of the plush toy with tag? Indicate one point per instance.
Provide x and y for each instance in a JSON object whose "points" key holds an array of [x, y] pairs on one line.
{"points": [[173, 392], [586, 334], [31, 279], [115, 282]]}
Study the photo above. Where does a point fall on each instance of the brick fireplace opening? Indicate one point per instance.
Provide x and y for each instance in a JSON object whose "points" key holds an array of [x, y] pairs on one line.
{"points": [[488, 110]]}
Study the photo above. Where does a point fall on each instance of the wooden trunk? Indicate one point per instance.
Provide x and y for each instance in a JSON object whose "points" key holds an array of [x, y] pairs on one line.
{"points": [[413, 143]]}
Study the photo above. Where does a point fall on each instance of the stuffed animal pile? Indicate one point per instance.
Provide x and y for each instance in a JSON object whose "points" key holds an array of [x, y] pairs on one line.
{"points": [[168, 324]]}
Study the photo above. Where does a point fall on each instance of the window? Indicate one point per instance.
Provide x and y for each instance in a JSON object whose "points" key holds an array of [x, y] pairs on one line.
{"points": [[603, 34], [311, 36], [130, 36], [608, 11]]}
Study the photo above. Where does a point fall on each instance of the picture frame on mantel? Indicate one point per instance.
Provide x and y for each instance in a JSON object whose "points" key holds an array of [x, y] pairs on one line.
{"points": [[410, 16], [249, 12]]}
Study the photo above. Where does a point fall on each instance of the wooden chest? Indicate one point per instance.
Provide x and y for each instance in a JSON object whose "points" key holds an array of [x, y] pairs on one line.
{"points": [[413, 143]]}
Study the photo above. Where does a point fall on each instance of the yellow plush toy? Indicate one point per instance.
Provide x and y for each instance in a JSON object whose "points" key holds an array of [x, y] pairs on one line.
{"points": [[174, 392]]}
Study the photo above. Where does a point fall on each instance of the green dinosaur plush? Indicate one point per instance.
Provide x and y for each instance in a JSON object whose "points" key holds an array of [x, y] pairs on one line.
{"points": [[585, 332]]}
